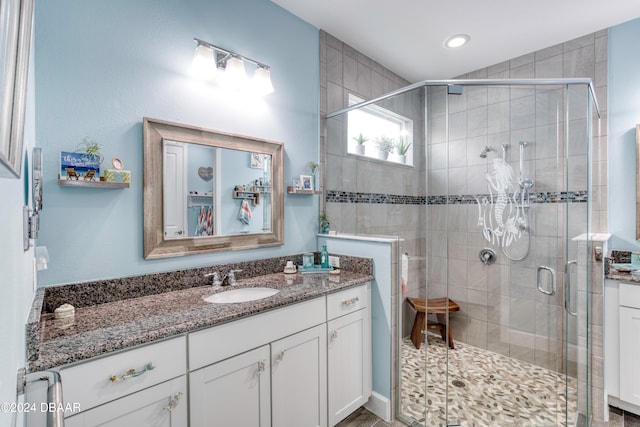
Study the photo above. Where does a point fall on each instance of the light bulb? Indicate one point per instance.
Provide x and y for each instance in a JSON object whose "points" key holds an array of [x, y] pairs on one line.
{"points": [[261, 83], [235, 75], [203, 65]]}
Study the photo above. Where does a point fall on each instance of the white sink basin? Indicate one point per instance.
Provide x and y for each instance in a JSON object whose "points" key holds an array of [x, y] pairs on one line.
{"points": [[240, 295]]}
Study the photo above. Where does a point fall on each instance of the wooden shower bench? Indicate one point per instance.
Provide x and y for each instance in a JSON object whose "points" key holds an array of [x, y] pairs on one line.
{"points": [[437, 306]]}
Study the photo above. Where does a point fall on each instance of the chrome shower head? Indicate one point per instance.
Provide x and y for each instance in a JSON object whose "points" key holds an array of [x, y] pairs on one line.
{"points": [[484, 152]]}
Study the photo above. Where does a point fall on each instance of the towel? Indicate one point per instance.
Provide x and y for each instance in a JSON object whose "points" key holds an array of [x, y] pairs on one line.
{"points": [[244, 216], [404, 269], [200, 225], [208, 230]]}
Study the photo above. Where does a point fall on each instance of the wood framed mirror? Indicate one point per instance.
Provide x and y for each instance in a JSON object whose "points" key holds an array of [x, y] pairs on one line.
{"points": [[207, 191], [637, 182]]}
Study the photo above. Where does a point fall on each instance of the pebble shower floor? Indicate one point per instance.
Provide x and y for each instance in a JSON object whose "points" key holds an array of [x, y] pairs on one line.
{"points": [[496, 390]]}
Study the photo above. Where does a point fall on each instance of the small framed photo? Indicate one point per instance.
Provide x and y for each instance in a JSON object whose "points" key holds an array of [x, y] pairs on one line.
{"points": [[297, 186], [307, 182], [257, 160]]}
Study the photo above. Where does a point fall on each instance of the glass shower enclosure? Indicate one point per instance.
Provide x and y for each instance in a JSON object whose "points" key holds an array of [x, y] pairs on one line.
{"points": [[491, 201]]}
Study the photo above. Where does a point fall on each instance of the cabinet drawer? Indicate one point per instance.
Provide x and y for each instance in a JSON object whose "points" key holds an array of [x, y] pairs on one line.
{"points": [[348, 301], [89, 384], [161, 405], [630, 295], [220, 342]]}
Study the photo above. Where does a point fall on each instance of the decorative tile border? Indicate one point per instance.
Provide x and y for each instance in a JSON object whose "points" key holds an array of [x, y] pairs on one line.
{"points": [[333, 196]]}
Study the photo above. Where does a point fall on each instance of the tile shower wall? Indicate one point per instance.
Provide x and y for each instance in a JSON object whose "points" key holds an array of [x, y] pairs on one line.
{"points": [[369, 196], [501, 311], [383, 198]]}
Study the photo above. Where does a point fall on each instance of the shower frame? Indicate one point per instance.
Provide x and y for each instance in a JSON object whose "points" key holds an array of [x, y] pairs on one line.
{"points": [[455, 86]]}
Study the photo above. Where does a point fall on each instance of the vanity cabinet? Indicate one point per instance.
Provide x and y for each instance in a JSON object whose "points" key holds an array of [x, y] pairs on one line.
{"points": [[274, 368], [622, 345], [630, 343], [348, 352], [233, 392], [282, 350], [299, 379], [282, 383], [142, 386]]}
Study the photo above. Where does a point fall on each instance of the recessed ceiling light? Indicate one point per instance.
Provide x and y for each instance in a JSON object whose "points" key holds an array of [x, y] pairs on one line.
{"points": [[457, 40]]}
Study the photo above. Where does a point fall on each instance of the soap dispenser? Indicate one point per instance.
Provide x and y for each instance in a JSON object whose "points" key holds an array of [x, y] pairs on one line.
{"points": [[324, 257]]}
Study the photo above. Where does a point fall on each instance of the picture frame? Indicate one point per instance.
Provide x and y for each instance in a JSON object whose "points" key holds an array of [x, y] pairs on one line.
{"points": [[15, 39], [297, 185], [79, 166], [306, 182], [257, 161]]}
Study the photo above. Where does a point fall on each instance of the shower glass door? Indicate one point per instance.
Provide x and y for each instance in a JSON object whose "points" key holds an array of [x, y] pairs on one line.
{"points": [[507, 181]]}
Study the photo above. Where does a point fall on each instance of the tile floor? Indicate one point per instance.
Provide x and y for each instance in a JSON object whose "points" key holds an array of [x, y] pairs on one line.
{"points": [[512, 393], [486, 389]]}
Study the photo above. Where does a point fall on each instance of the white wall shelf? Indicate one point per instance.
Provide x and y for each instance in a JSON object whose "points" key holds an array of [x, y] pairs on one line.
{"points": [[94, 184], [290, 190]]}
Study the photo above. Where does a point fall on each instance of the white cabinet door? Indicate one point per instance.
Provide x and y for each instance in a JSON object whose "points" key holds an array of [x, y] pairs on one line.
{"points": [[630, 354], [299, 379], [612, 338], [163, 405], [234, 392], [349, 364]]}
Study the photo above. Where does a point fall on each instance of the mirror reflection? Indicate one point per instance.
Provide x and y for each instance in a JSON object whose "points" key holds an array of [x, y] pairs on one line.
{"points": [[207, 191], [213, 191]]}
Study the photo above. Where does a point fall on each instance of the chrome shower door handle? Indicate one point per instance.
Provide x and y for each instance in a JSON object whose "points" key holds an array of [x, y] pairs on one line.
{"points": [[553, 280], [567, 292]]}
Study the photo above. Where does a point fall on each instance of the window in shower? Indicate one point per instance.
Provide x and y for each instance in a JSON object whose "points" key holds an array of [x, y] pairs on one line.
{"points": [[378, 132]]}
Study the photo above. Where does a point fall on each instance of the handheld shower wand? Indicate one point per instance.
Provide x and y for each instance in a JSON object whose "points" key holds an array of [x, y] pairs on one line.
{"points": [[525, 183]]}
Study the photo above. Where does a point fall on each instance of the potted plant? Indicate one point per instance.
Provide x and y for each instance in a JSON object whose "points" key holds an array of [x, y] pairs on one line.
{"points": [[325, 224], [360, 140], [402, 148], [385, 145], [91, 148], [314, 169]]}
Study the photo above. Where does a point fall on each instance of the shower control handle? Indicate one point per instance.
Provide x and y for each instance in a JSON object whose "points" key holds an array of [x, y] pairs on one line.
{"points": [[487, 256], [553, 280]]}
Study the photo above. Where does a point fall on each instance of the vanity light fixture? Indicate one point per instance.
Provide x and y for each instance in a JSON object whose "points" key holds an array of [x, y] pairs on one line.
{"points": [[457, 40], [210, 60]]}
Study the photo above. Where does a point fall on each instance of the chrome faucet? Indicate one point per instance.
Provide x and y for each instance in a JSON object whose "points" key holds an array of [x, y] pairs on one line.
{"points": [[229, 277]]}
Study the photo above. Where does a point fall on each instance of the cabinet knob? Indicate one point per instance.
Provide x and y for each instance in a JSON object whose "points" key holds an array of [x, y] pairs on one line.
{"points": [[173, 403], [261, 366], [334, 335], [280, 356]]}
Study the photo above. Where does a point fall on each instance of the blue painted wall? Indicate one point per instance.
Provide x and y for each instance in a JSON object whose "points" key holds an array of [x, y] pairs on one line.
{"points": [[103, 66], [381, 251], [624, 114]]}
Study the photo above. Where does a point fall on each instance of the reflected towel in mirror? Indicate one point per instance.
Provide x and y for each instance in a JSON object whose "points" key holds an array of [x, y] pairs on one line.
{"points": [[244, 216]]}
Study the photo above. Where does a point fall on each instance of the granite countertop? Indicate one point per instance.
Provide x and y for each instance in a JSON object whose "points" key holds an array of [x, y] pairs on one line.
{"points": [[623, 276], [110, 326], [622, 258]]}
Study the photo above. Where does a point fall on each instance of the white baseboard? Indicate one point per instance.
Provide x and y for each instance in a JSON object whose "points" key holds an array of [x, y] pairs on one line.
{"points": [[380, 406]]}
